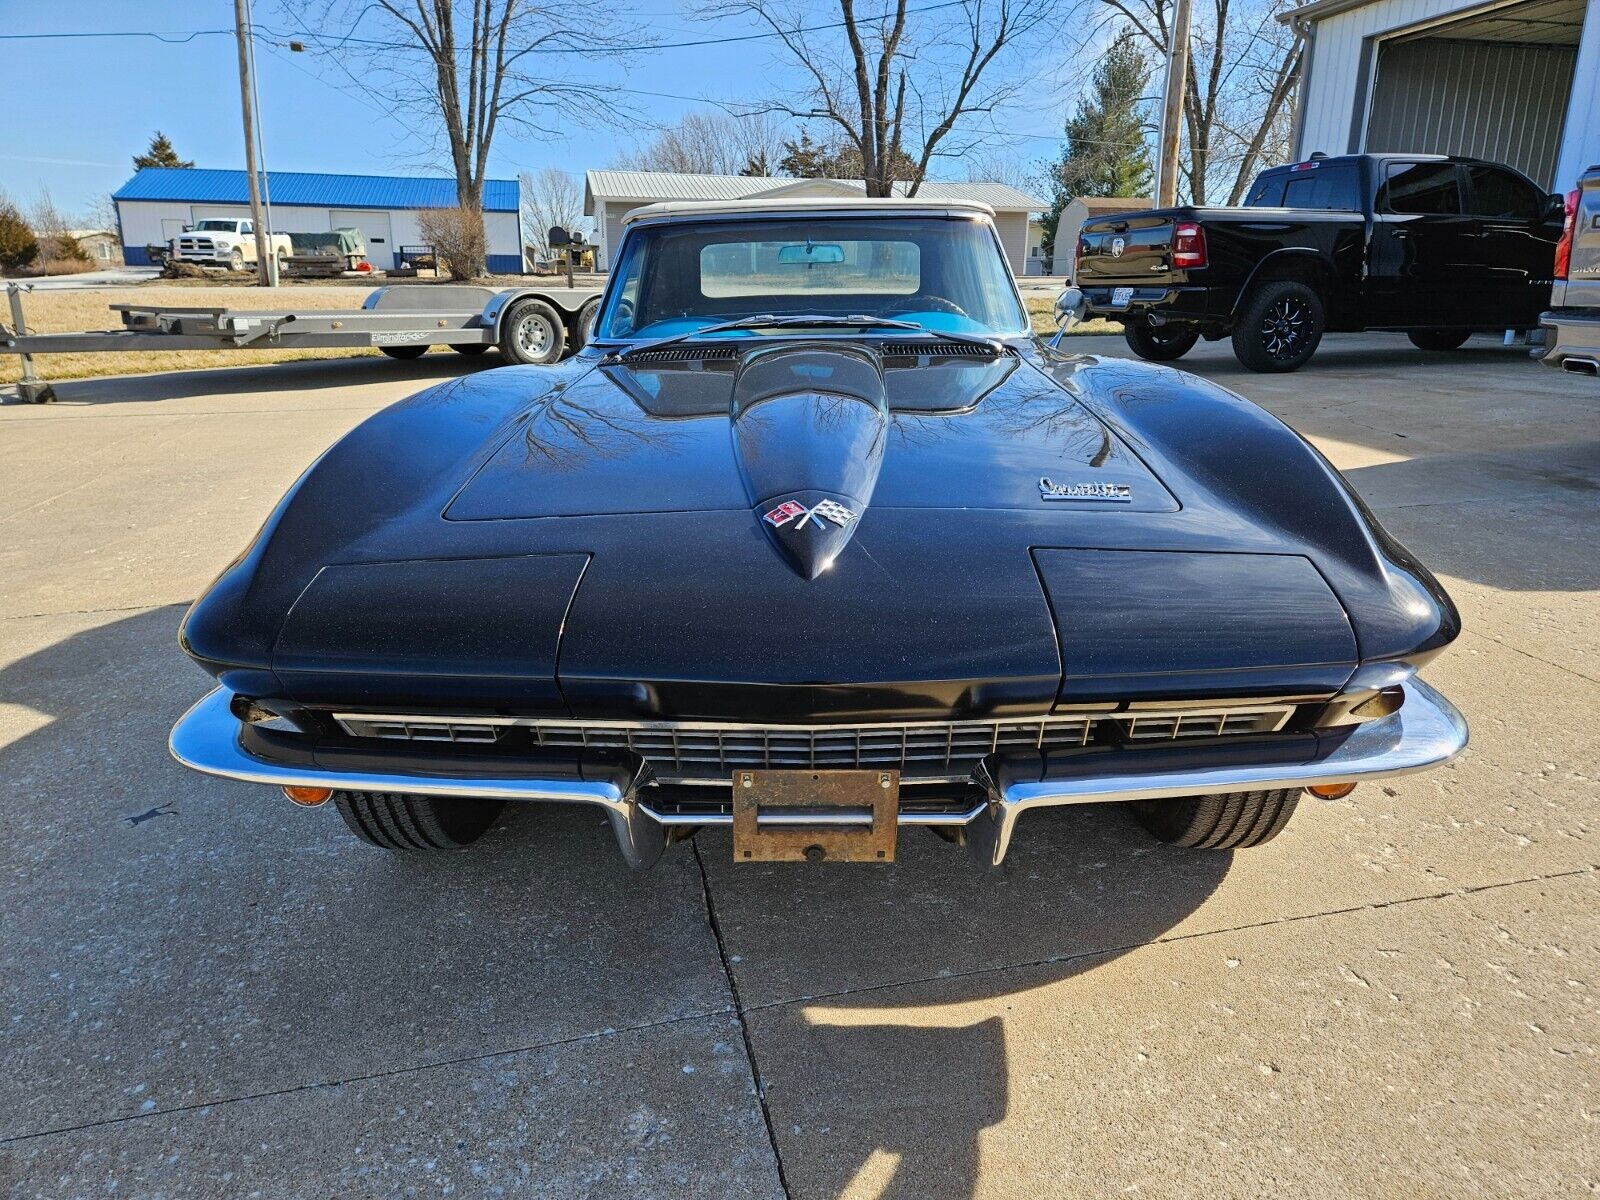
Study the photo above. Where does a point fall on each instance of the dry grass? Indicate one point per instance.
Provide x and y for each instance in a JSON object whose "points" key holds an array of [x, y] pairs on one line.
{"points": [[66, 311], [1042, 311]]}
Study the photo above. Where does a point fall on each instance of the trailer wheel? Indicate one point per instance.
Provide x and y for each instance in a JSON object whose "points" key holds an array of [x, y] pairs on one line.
{"points": [[472, 349], [585, 322], [531, 332], [405, 353]]}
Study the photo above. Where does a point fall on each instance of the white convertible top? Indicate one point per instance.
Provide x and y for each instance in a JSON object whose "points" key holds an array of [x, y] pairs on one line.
{"points": [[803, 204]]}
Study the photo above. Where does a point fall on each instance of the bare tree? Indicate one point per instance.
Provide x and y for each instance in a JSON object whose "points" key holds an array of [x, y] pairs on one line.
{"points": [[710, 142], [1244, 67], [470, 68], [901, 86], [550, 197]]}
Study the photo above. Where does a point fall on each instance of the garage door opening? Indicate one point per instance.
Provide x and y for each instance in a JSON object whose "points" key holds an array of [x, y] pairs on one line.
{"points": [[1494, 84]]}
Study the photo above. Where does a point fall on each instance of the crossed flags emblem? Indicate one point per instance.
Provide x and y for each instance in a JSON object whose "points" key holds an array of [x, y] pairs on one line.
{"points": [[793, 510]]}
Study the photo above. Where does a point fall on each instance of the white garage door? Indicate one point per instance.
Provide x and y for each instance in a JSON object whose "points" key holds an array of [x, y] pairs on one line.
{"points": [[374, 228]]}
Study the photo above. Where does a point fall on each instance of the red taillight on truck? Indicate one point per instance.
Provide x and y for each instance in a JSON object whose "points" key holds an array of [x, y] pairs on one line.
{"points": [[1082, 249], [1188, 245], [1568, 231]]}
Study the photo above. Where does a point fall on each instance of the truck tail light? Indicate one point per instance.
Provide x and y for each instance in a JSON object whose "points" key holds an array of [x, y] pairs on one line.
{"points": [[1188, 245], [1082, 249], [1568, 231]]}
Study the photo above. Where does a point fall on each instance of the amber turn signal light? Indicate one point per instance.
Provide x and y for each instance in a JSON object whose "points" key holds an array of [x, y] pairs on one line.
{"points": [[308, 797], [1324, 791]]}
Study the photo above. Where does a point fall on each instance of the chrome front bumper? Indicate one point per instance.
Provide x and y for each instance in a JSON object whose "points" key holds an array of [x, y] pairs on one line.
{"points": [[1427, 731]]}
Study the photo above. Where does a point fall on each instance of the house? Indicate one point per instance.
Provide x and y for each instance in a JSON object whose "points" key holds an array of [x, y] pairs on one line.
{"points": [[159, 202], [1080, 209], [1517, 83], [100, 246], [608, 195]]}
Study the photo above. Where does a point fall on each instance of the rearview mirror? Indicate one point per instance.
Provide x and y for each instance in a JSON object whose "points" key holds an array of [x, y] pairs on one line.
{"points": [[1555, 208], [810, 254]]}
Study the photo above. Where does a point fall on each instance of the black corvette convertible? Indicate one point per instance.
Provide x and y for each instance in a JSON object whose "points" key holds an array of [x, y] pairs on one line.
{"points": [[814, 540]]}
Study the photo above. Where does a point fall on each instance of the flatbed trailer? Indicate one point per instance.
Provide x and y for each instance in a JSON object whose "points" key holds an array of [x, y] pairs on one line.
{"points": [[527, 325]]}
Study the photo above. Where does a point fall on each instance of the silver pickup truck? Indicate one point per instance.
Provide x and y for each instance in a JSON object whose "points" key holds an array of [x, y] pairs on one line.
{"points": [[1572, 326]]}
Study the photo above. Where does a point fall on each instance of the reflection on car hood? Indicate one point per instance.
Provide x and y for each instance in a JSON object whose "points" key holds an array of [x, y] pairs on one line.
{"points": [[964, 431]]}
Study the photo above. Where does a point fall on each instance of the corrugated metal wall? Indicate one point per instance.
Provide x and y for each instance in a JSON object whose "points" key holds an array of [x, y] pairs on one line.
{"points": [[1485, 99]]}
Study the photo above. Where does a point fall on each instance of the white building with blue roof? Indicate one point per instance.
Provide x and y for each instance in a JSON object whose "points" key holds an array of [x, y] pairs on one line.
{"points": [[159, 202]]}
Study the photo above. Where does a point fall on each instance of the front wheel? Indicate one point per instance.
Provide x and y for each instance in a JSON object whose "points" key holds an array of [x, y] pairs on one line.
{"points": [[1279, 328], [1225, 821], [1163, 343], [1438, 339], [532, 332], [403, 821], [236, 261]]}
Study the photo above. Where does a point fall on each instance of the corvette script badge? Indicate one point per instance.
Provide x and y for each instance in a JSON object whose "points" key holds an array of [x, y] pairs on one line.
{"points": [[1114, 493], [790, 509]]}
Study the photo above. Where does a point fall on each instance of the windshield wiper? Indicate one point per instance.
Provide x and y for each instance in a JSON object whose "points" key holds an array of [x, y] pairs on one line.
{"points": [[814, 321]]}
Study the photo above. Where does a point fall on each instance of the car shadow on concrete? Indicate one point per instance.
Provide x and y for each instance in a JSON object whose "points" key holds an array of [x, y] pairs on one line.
{"points": [[861, 984], [180, 907], [300, 376]]}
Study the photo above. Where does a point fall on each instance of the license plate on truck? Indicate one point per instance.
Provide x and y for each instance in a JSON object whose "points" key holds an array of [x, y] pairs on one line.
{"points": [[1121, 297]]}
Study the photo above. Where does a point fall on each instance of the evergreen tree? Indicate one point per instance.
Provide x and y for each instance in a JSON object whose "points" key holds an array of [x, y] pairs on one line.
{"points": [[160, 154], [1105, 153], [18, 246]]}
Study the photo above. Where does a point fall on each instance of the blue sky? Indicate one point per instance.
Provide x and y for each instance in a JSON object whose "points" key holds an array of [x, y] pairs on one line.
{"points": [[77, 109]]}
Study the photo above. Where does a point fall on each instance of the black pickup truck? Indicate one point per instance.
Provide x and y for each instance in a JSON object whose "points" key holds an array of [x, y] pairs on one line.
{"points": [[1436, 247]]}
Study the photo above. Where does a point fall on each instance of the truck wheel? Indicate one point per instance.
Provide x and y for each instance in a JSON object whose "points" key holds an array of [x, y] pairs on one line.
{"points": [[1163, 344], [585, 322], [532, 332], [236, 261], [404, 353], [402, 821], [1218, 822], [1279, 327], [1438, 339]]}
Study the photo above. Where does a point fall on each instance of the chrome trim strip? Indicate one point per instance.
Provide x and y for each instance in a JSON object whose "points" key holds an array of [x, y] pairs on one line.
{"points": [[1427, 731]]}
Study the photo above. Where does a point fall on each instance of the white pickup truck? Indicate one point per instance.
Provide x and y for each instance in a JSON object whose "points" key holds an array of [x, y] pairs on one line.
{"points": [[226, 242]]}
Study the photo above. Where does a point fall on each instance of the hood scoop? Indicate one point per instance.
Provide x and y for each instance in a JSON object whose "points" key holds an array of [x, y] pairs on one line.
{"points": [[810, 421]]}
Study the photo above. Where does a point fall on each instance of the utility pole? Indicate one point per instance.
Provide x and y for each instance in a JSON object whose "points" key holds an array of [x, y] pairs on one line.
{"points": [[1172, 110], [263, 255]]}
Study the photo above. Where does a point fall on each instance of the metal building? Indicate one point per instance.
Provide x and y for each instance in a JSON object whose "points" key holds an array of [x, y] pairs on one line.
{"points": [[1516, 82], [156, 204], [610, 195]]}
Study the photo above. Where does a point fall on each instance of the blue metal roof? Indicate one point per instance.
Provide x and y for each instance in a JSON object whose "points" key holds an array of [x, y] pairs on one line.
{"points": [[195, 185]]}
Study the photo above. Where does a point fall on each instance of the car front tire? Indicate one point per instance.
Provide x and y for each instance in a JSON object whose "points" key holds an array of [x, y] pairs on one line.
{"points": [[1228, 821], [403, 821], [532, 333], [236, 261], [1165, 344], [1279, 328], [1438, 340]]}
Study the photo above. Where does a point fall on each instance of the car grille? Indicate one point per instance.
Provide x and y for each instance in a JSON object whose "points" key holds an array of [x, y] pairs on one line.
{"points": [[196, 245], [930, 750]]}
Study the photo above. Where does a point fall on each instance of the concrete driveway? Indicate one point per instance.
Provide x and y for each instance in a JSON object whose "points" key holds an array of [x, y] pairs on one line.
{"points": [[208, 993]]}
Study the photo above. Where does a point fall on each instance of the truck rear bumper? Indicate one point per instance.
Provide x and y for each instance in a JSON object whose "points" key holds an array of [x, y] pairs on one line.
{"points": [[1193, 304], [1572, 340]]}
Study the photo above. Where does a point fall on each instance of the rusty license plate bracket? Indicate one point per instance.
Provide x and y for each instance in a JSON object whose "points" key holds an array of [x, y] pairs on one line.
{"points": [[810, 816]]}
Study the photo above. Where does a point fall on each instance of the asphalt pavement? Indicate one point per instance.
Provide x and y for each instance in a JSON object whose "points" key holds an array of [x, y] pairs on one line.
{"points": [[210, 993]]}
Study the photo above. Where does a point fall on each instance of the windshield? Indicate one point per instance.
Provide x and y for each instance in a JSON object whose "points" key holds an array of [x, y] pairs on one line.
{"points": [[218, 225], [941, 273]]}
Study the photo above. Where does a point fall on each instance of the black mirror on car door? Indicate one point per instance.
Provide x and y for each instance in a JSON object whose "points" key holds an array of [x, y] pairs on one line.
{"points": [[1555, 207]]}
